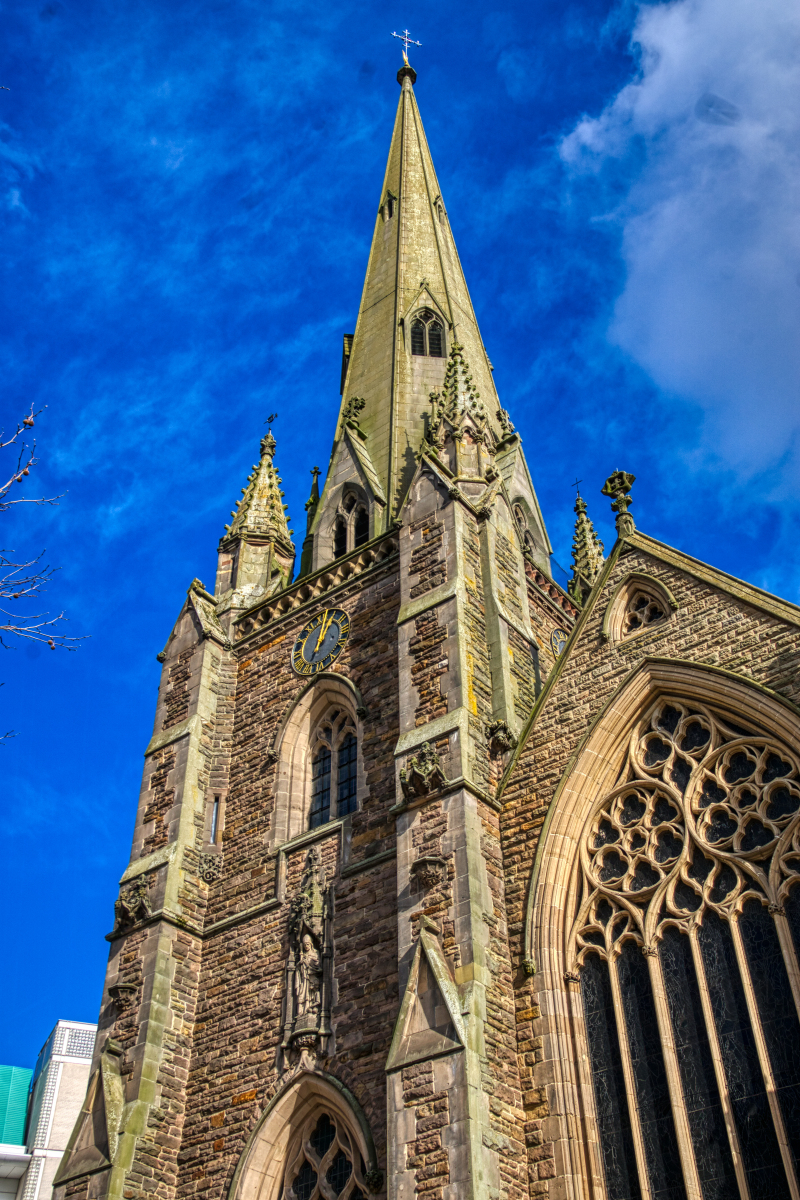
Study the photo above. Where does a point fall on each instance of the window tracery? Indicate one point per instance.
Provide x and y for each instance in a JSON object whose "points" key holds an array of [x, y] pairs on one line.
{"points": [[351, 525], [640, 603], [685, 945], [334, 769], [324, 1163], [427, 335]]}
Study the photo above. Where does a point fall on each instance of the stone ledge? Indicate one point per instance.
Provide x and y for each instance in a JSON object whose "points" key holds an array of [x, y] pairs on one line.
{"points": [[365, 863], [159, 740], [421, 604]]}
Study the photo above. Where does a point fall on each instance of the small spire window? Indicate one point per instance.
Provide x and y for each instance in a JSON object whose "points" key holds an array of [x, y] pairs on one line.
{"points": [[340, 537], [351, 526], [361, 527], [427, 335]]}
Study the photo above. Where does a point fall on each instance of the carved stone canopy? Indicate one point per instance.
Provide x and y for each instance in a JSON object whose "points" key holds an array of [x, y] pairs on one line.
{"points": [[132, 904], [501, 739], [428, 871], [423, 773], [123, 994]]}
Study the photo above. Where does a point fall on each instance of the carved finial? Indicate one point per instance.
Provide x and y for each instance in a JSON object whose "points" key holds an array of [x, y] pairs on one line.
{"points": [[505, 422], [587, 554], [618, 486], [355, 405], [313, 499]]}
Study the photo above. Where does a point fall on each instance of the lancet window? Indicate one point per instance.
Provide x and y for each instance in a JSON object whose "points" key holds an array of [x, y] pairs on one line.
{"points": [[351, 526], [427, 335], [334, 769], [324, 1163], [685, 946]]}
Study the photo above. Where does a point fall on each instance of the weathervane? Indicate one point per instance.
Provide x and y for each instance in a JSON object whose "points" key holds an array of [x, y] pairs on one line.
{"points": [[407, 40], [272, 417], [576, 485]]}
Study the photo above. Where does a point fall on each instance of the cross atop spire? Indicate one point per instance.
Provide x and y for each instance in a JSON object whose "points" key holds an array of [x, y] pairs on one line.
{"points": [[407, 40]]}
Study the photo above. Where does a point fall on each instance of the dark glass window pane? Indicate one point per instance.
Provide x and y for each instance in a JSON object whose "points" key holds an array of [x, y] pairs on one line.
{"points": [[362, 527], [650, 1076], [701, 1095], [778, 1013], [340, 537], [340, 1172], [759, 1145], [320, 788], [347, 782], [435, 340], [792, 908], [304, 1182], [613, 1119], [417, 337], [323, 1135]]}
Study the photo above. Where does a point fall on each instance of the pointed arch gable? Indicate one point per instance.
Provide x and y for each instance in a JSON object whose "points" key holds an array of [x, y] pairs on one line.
{"points": [[592, 774], [259, 1172]]}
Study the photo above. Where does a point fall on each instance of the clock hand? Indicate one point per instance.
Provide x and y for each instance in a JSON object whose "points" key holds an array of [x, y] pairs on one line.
{"points": [[323, 631]]}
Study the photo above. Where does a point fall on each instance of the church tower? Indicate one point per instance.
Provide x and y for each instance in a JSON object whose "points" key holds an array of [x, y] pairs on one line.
{"points": [[309, 969]]}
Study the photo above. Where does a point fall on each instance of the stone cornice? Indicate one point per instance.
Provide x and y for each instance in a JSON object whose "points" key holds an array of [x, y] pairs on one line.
{"points": [[309, 589]]}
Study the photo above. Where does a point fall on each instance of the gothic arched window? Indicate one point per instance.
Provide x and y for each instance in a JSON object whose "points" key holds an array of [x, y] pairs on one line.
{"points": [[324, 1151], [340, 537], [334, 769], [351, 525], [638, 604], [685, 946], [427, 335], [361, 527]]}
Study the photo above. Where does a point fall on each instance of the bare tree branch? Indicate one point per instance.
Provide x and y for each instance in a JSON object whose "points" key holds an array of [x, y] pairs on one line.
{"points": [[26, 580], [26, 458]]}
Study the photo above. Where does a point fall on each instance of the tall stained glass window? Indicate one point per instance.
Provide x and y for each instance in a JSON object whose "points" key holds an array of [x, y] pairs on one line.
{"points": [[686, 948]]}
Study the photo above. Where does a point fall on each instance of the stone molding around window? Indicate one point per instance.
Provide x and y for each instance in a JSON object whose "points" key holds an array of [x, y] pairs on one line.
{"points": [[640, 603], [674, 842], [275, 1152], [302, 733]]}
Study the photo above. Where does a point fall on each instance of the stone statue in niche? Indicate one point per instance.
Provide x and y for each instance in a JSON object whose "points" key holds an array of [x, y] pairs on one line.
{"points": [[132, 904], [309, 970]]}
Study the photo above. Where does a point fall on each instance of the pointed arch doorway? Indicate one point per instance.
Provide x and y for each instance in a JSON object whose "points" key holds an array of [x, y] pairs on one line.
{"points": [[312, 1143]]}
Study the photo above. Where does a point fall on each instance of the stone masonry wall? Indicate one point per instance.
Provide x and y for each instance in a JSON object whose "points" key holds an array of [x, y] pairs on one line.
{"points": [[710, 627], [426, 559], [426, 1155], [500, 1072]]}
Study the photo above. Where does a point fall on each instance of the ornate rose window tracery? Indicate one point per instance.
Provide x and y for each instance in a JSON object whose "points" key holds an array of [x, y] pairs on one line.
{"points": [[685, 944]]}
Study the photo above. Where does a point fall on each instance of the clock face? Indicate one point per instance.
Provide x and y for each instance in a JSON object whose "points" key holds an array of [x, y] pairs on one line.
{"points": [[558, 640], [321, 641]]}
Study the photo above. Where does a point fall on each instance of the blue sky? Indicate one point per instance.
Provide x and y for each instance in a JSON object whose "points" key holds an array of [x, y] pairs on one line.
{"points": [[187, 193]]}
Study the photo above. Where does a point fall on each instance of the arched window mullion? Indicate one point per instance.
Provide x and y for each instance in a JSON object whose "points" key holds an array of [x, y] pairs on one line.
{"points": [[764, 1059], [789, 953], [719, 1067], [630, 1081], [694, 1190]]}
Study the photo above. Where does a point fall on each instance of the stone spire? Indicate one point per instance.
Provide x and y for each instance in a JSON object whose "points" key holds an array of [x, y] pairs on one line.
{"points": [[257, 552], [413, 266], [587, 554]]}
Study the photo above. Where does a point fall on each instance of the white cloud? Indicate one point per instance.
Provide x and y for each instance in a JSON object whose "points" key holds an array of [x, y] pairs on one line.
{"points": [[706, 143]]}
